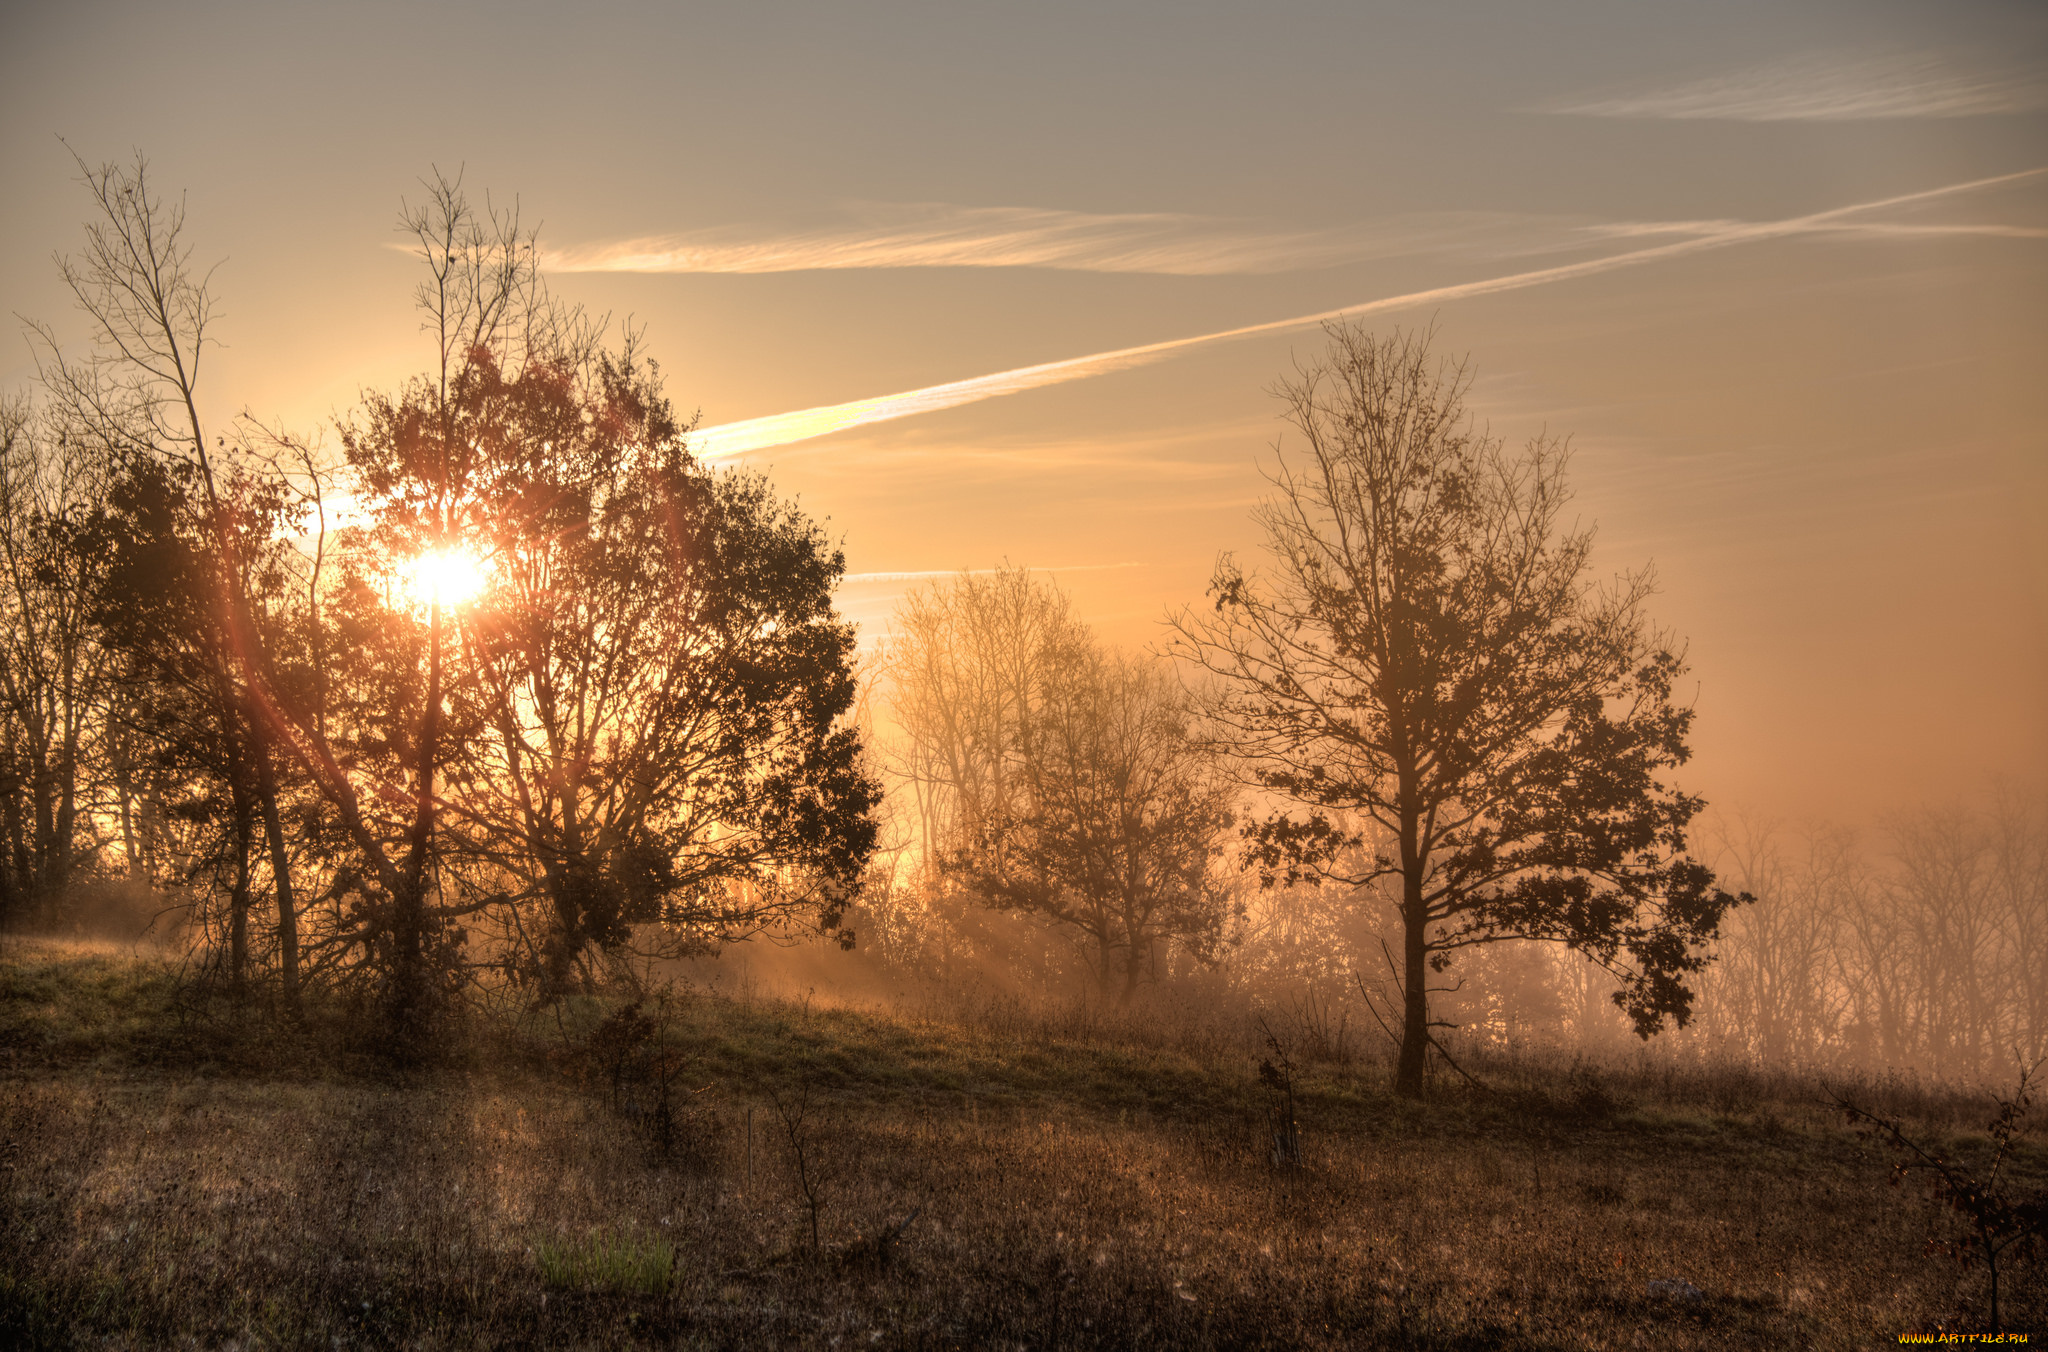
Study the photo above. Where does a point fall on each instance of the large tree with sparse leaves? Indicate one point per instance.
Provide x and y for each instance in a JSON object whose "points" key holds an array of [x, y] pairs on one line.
{"points": [[1428, 652]]}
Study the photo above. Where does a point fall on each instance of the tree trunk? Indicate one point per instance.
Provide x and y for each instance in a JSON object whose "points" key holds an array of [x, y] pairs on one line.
{"points": [[1415, 978], [43, 782], [124, 795], [408, 1012], [16, 887], [1408, 1075], [238, 899], [561, 947], [67, 783], [281, 874], [66, 833], [570, 882]]}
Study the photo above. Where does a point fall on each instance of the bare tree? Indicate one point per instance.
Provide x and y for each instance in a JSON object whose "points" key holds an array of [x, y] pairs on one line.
{"points": [[1122, 832], [1055, 779], [967, 668], [1945, 953], [2018, 883], [1775, 994], [1996, 1221], [1923, 947], [137, 397], [1427, 652]]}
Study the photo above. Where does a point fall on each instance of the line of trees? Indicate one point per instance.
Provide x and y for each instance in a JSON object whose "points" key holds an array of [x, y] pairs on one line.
{"points": [[509, 685], [1419, 760], [238, 671]]}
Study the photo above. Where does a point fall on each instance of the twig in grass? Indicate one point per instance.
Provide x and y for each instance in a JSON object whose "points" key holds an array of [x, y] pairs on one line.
{"points": [[1373, 1009], [1469, 1077], [1277, 1074], [2000, 1223], [885, 1243], [800, 1129]]}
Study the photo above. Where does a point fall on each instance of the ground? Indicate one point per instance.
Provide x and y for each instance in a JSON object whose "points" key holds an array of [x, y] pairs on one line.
{"points": [[182, 1169]]}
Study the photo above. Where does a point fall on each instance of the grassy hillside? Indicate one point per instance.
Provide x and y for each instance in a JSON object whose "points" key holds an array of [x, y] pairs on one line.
{"points": [[176, 1171]]}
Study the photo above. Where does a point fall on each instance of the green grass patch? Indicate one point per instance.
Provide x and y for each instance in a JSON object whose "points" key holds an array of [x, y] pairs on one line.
{"points": [[615, 1264]]}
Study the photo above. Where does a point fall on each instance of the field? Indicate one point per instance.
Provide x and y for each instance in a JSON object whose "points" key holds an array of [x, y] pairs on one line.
{"points": [[178, 1171]]}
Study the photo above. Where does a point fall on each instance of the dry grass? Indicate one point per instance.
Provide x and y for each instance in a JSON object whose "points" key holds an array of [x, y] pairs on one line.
{"points": [[241, 1183]]}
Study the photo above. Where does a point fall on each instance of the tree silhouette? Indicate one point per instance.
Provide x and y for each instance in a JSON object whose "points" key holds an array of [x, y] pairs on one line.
{"points": [[1427, 653], [637, 727], [133, 400], [644, 702], [1124, 824]]}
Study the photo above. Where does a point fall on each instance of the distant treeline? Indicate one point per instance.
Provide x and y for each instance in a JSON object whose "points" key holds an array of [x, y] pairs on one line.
{"points": [[1926, 947]]}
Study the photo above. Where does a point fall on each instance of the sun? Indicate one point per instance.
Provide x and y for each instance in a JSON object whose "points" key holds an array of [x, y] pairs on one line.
{"points": [[447, 577]]}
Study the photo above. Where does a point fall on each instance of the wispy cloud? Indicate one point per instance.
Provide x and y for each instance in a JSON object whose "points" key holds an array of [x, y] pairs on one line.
{"points": [[1830, 88], [803, 424], [935, 235]]}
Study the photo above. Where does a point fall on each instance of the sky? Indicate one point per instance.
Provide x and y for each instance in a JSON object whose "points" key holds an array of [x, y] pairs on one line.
{"points": [[1027, 274]]}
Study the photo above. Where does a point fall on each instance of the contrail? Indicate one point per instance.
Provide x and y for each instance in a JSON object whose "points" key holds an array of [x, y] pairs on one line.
{"points": [[781, 429]]}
